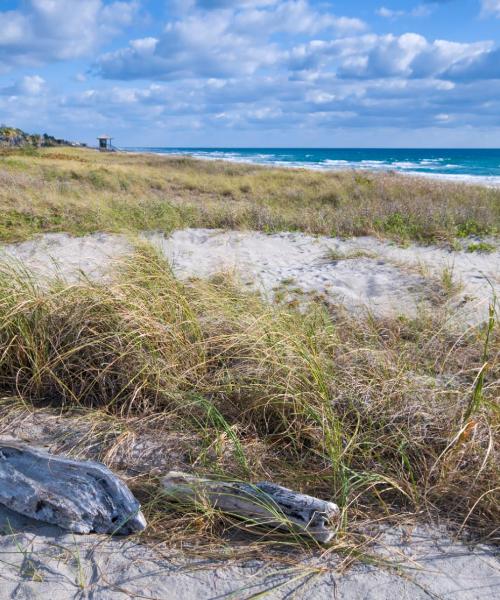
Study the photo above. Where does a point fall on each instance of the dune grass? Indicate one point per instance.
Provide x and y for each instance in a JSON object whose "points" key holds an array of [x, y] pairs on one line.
{"points": [[390, 418], [81, 191], [387, 417]]}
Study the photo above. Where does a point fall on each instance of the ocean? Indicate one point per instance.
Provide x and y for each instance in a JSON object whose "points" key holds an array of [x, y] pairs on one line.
{"points": [[477, 165]]}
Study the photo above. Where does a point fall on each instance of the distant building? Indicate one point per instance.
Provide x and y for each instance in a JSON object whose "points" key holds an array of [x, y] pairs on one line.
{"points": [[105, 144]]}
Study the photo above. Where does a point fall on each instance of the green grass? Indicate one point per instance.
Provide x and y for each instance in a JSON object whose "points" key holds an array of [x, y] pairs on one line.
{"points": [[387, 417], [484, 247], [81, 191]]}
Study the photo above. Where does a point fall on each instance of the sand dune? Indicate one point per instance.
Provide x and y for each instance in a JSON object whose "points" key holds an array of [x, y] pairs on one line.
{"points": [[359, 272]]}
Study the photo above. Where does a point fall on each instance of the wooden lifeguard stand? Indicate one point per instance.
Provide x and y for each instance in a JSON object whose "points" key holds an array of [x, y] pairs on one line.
{"points": [[105, 144]]}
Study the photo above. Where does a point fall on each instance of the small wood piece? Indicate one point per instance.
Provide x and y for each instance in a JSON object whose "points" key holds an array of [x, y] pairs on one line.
{"points": [[79, 496], [262, 504]]}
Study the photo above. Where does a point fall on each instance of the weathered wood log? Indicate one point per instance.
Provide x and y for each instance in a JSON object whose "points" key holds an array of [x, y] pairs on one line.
{"points": [[261, 504], [79, 496]]}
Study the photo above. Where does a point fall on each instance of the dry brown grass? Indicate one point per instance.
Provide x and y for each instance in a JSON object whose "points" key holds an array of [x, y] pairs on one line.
{"points": [[82, 191], [386, 417]]}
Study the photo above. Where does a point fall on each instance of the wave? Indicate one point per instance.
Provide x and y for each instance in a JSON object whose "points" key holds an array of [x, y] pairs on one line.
{"points": [[483, 180]]}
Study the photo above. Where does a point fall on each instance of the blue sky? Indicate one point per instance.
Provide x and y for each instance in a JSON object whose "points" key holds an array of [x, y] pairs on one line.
{"points": [[254, 72]]}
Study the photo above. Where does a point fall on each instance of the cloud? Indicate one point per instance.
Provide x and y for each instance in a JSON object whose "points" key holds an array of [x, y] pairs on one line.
{"points": [[215, 41], [29, 85], [262, 67], [210, 4], [490, 7], [421, 10], [257, 106], [373, 56], [272, 103], [294, 17], [389, 13], [49, 30], [484, 66]]}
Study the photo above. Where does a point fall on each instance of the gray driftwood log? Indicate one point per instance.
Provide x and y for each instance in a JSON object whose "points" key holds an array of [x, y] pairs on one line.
{"points": [[261, 504], [79, 496]]}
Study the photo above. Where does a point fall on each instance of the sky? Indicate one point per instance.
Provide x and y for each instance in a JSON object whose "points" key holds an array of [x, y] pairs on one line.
{"points": [[254, 73]]}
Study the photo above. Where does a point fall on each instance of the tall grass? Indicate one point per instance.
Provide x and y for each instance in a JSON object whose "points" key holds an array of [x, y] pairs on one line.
{"points": [[81, 191], [374, 414]]}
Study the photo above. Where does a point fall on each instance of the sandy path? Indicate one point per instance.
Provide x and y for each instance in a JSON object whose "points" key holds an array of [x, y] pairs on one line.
{"points": [[384, 277]]}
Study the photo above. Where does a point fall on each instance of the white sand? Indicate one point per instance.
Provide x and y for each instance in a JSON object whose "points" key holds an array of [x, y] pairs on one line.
{"points": [[381, 276], [39, 561]]}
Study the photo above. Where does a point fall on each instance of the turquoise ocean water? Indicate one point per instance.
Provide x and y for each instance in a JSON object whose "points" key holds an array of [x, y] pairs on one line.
{"points": [[481, 166]]}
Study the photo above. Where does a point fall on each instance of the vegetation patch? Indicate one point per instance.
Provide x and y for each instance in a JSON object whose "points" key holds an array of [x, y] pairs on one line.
{"points": [[93, 191], [386, 417], [480, 247]]}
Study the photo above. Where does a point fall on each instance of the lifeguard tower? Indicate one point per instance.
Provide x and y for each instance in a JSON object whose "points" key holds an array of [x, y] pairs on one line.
{"points": [[105, 144]]}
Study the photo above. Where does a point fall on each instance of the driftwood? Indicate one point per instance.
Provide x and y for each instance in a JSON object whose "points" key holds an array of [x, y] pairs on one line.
{"points": [[261, 504], [79, 496]]}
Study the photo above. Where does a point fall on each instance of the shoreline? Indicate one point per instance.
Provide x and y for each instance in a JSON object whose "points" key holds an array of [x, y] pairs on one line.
{"points": [[489, 181]]}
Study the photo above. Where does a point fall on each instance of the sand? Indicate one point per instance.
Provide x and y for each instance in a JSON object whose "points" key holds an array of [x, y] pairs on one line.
{"points": [[41, 561], [362, 273]]}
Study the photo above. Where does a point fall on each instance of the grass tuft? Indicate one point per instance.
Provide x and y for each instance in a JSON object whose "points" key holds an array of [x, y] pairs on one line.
{"points": [[481, 247]]}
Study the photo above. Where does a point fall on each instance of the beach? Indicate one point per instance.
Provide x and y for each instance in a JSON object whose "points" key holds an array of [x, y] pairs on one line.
{"points": [[335, 333], [249, 300]]}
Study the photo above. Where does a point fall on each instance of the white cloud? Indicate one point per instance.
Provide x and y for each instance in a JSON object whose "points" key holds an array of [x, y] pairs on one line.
{"points": [[389, 13], [32, 85], [47, 30], [144, 45], [421, 10], [198, 46], [373, 56], [29, 85], [317, 96], [257, 105], [490, 7], [250, 65], [293, 16], [230, 38]]}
